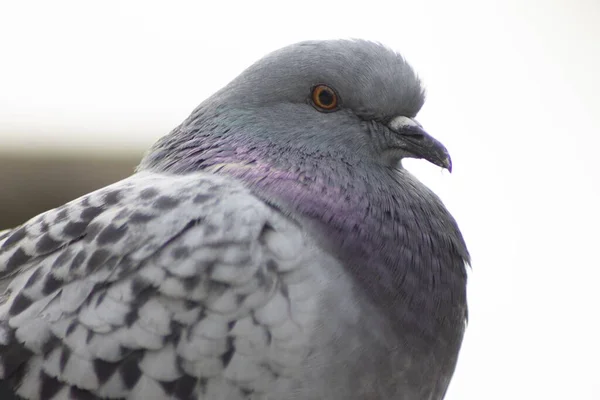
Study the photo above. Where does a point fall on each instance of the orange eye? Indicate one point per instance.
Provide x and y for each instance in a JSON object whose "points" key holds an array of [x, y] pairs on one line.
{"points": [[324, 97]]}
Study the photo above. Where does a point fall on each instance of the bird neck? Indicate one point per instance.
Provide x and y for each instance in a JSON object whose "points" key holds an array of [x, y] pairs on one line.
{"points": [[393, 234]]}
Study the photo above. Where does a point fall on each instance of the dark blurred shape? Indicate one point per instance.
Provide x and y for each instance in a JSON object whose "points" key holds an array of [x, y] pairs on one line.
{"points": [[33, 183]]}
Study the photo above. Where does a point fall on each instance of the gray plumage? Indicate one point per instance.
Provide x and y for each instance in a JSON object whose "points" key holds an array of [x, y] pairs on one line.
{"points": [[267, 248]]}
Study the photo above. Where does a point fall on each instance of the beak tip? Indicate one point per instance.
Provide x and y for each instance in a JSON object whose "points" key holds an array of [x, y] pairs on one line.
{"points": [[448, 164]]}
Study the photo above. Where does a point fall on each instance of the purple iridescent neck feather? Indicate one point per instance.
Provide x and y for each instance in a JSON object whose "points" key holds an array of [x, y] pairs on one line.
{"points": [[393, 233]]}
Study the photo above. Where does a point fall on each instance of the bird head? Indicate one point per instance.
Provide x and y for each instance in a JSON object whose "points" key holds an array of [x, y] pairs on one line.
{"points": [[350, 99], [342, 100]]}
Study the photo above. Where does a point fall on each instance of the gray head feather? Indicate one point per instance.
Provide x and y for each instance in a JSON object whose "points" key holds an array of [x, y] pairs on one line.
{"points": [[372, 80], [269, 104]]}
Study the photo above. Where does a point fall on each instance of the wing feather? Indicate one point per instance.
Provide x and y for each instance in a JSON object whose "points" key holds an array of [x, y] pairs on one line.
{"points": [[157, 286]]}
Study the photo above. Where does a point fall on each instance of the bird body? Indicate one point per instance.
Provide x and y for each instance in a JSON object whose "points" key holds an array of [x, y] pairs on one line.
{"points": [[270, 247]]}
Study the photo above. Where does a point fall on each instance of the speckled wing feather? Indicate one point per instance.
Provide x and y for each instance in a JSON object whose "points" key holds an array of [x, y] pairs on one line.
{"points": [[156, 287]]}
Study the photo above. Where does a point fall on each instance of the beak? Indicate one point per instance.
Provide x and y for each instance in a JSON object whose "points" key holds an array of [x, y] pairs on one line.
{"points": [[418, 143]]}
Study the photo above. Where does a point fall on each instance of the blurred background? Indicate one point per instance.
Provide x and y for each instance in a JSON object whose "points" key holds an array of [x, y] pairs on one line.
{"points": [[87, 87], [32, 183]]}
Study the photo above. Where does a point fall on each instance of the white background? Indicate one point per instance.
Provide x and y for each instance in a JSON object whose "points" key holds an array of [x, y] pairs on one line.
{"points": [[513, 92]]}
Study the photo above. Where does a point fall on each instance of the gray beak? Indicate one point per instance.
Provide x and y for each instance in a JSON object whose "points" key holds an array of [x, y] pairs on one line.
{"points": [[418, 143]]}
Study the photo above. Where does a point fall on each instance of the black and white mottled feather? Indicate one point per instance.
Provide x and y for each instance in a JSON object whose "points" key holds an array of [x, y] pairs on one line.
{"points": [[158, 286], [264, 250]]}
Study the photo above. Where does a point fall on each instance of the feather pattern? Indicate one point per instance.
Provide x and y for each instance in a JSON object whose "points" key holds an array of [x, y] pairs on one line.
{"points": [[156, 286]]}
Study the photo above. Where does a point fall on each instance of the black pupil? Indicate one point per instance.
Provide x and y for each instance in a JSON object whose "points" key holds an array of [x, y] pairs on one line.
{"points": [[326, 97]]}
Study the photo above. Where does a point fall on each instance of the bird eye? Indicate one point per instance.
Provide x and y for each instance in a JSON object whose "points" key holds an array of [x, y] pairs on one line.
{"points": [[324, 98]]}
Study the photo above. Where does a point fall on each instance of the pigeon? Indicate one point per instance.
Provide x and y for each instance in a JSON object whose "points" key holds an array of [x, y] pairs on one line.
{"points": [[272, 246]]}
